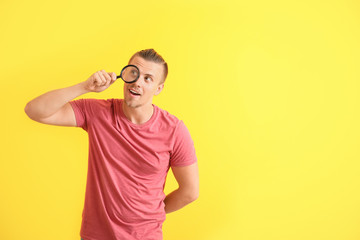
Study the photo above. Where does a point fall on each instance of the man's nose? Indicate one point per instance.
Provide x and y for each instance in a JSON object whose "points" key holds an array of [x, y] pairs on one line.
{"points": [[140, 80]]}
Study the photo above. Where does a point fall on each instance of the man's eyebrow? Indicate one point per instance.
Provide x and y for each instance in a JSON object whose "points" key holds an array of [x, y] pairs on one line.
{"points": [[149, 74], [145, 73]]}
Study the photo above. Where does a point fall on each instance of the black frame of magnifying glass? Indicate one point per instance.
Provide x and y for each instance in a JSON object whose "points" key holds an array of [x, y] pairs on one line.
{"points": [[130, 65]]}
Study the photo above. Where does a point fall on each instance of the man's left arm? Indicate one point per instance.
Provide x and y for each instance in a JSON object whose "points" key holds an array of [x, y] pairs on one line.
{"points": [[188, 190]]}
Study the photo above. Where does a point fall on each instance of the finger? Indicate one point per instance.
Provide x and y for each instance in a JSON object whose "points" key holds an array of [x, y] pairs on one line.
{"points": [[106, 75], [97, 80], [102, 78], [113, 77]]}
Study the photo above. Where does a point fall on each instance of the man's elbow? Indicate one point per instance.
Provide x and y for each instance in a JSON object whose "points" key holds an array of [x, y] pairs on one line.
{"points": [[193, 196]]}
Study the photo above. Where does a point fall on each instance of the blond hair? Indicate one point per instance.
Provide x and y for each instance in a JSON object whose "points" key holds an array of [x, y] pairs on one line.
{"points": [[151, 55]]}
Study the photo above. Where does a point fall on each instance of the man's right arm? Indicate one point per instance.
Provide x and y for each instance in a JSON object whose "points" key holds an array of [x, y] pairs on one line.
{"points": [[53, 107]]}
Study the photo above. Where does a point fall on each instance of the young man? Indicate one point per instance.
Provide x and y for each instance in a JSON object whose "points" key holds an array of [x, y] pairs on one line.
{"points": [[132, 145]]}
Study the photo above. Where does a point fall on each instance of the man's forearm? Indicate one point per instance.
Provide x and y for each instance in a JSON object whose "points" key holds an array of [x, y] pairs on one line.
{"points": [[176, 200], [48, 103]]}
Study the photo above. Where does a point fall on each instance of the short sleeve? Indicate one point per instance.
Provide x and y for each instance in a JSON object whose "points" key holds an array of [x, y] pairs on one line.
{"points": [[82, 112], [183, 151]]}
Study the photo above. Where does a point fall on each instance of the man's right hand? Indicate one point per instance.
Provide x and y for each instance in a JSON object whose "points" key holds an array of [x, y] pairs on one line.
{"points": [[53, 107], [99, 81]]}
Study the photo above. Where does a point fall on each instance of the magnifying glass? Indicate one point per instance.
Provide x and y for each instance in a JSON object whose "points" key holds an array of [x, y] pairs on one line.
{"points": [[129, 74]]}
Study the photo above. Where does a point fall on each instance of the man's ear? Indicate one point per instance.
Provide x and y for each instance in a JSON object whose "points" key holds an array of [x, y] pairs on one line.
{"points": [[159, 89]]}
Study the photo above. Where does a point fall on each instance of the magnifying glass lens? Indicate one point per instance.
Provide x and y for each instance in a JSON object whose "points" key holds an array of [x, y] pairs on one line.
{"points": [[130, 74]]}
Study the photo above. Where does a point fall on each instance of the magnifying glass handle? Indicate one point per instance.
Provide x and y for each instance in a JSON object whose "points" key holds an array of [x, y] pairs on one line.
{"points": [[117, 77]]}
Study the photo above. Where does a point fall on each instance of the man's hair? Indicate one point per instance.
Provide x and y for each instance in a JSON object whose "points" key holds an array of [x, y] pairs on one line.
{"points": [[151, 55]]}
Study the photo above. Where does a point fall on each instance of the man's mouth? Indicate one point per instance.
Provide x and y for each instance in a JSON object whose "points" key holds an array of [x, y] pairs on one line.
{"points": [[133, 93]]}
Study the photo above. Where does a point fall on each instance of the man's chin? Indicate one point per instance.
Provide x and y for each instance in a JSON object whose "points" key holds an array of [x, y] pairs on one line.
{"points": [[132, 104]]}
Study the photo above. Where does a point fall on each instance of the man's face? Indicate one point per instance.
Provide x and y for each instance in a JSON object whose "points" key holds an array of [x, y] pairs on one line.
{"points": [[147, 85]]}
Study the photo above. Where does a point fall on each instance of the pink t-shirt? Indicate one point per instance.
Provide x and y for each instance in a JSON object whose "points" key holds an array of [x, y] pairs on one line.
{"points": [[127, 169]]}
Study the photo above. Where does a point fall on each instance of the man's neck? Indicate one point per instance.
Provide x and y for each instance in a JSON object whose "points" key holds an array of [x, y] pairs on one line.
{"points": [[138, 115]]}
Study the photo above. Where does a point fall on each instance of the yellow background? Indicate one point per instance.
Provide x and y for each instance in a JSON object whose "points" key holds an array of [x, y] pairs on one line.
{"points": [[268, 89]]}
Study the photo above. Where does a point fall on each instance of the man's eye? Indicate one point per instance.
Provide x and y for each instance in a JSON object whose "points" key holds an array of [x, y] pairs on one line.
{"points": [[149, 78]]}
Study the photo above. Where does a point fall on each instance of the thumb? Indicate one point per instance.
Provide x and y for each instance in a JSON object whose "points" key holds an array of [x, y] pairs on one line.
{"points": [[113, 76]]}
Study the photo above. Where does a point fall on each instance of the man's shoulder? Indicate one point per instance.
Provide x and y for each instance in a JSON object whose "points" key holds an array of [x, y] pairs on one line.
{"points": [[95, 105], [96, 101], [103, 103], [167, 118]]}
